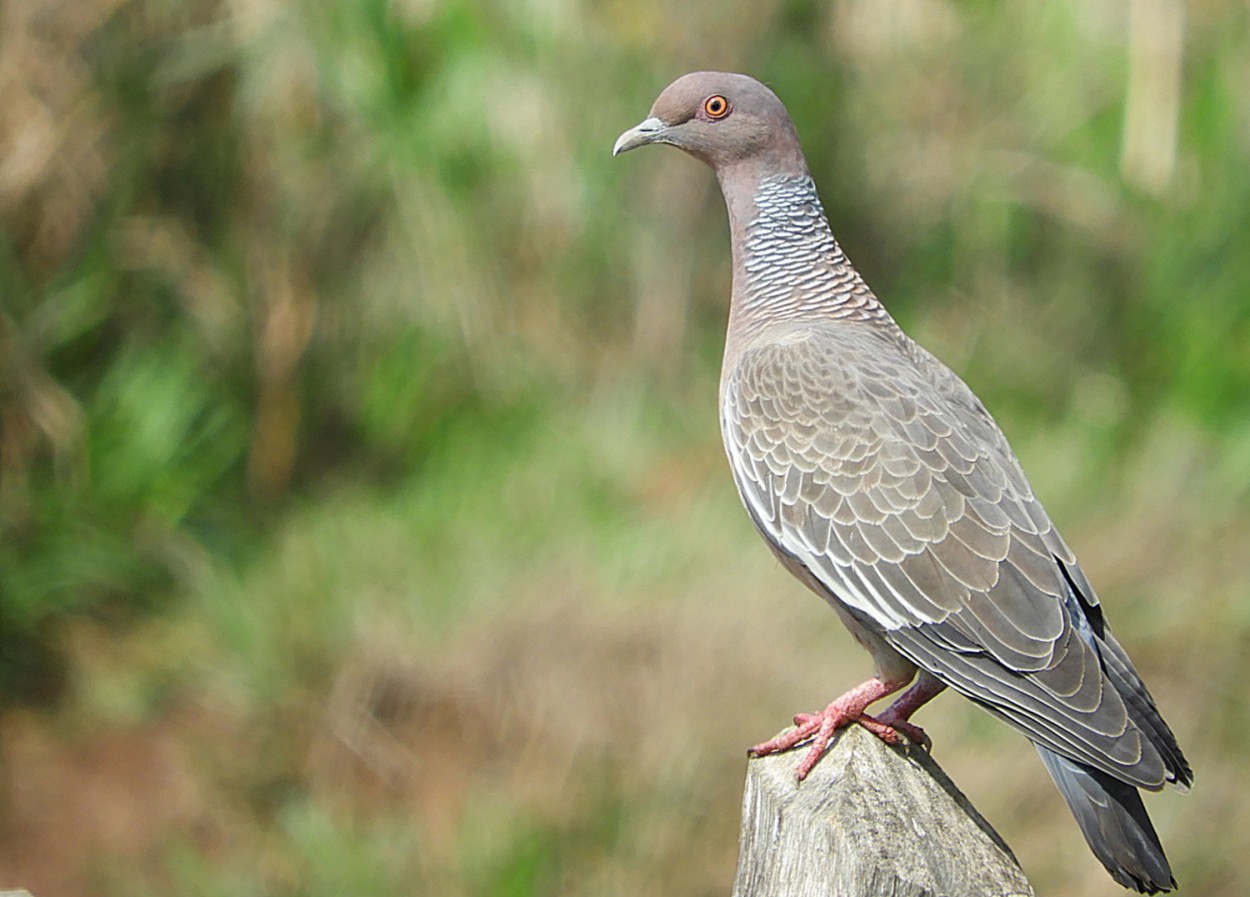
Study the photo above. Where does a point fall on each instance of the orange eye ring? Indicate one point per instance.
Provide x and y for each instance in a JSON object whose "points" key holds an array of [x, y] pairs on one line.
{"points": [[715, 107]]}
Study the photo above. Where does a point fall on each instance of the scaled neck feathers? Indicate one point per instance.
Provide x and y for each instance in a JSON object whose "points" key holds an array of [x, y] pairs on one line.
{"points": [[787, 264]]}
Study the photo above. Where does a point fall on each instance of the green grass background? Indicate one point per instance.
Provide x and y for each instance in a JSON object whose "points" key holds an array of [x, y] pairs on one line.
{"points": [[363, 522]]}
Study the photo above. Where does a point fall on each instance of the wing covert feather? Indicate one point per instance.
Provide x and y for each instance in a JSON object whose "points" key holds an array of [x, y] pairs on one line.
{"points": [[868, 463]]}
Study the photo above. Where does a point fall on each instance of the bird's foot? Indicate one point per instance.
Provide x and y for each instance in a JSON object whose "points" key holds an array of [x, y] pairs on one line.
{"points": [[898, 713], [819, 728], [915, 734]]}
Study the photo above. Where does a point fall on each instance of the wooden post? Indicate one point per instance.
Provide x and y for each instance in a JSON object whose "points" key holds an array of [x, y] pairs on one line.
{"points": [[870, 821]]}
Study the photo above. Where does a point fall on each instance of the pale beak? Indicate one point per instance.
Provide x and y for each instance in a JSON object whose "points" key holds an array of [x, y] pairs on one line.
{"points": [[650, 130]]}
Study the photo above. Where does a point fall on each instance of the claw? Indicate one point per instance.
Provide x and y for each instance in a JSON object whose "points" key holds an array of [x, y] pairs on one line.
{"points": [[806, 726], [914, 733], [883, 730]]}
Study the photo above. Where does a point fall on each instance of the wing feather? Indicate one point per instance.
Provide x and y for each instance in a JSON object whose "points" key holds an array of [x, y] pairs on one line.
{"points": [[871, 466]]}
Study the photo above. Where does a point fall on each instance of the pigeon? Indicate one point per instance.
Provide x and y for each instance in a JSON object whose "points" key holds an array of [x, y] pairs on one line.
{"points": [[881, 481]]}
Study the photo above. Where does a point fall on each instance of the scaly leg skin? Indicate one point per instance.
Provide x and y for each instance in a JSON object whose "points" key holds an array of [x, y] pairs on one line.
{"points": [[849, 708], [898, 713]]}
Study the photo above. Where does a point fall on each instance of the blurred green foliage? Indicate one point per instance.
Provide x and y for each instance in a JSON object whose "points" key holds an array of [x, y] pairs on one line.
{"points": [[325, 320]]}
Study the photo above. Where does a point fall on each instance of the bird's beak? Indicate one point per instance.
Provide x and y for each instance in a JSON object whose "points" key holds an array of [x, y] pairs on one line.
{"points": [[650, 130]]}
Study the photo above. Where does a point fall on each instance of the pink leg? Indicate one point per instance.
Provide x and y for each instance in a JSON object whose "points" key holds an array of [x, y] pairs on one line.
{"points": [[898, 713], [820, 727]]}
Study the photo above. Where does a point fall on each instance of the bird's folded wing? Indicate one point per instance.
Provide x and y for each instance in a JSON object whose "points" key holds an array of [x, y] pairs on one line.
{"points": [[877, 470]]}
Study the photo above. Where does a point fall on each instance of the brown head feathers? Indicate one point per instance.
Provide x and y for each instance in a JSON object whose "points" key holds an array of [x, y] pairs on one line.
{"points": [[723, 119]]}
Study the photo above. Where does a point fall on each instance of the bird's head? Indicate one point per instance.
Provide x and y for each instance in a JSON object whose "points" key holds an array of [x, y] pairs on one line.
{"points": [[722, 119]]}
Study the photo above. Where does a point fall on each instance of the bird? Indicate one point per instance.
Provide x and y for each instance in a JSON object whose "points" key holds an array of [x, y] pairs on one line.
{"points": [[880, 480]]}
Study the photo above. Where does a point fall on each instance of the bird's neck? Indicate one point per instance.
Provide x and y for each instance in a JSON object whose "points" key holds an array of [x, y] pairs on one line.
{"points": [[786, 263]]}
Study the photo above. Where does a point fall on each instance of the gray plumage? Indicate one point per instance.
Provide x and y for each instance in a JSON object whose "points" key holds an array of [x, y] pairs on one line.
{"points": [[883, 483]]}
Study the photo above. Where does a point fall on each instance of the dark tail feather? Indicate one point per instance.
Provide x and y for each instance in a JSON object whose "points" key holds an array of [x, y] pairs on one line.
{"points": [[1114, 822]]}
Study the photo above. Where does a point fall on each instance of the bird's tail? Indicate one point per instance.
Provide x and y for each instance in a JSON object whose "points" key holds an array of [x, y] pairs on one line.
{"points": [[1114, 822]]}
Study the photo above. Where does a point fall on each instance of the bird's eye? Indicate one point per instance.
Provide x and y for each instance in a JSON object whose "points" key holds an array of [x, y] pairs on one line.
{"points": [[716, 107]]}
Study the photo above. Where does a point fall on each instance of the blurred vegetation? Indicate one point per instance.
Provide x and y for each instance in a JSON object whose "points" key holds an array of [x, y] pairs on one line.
{"points": [[363, 526]]}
